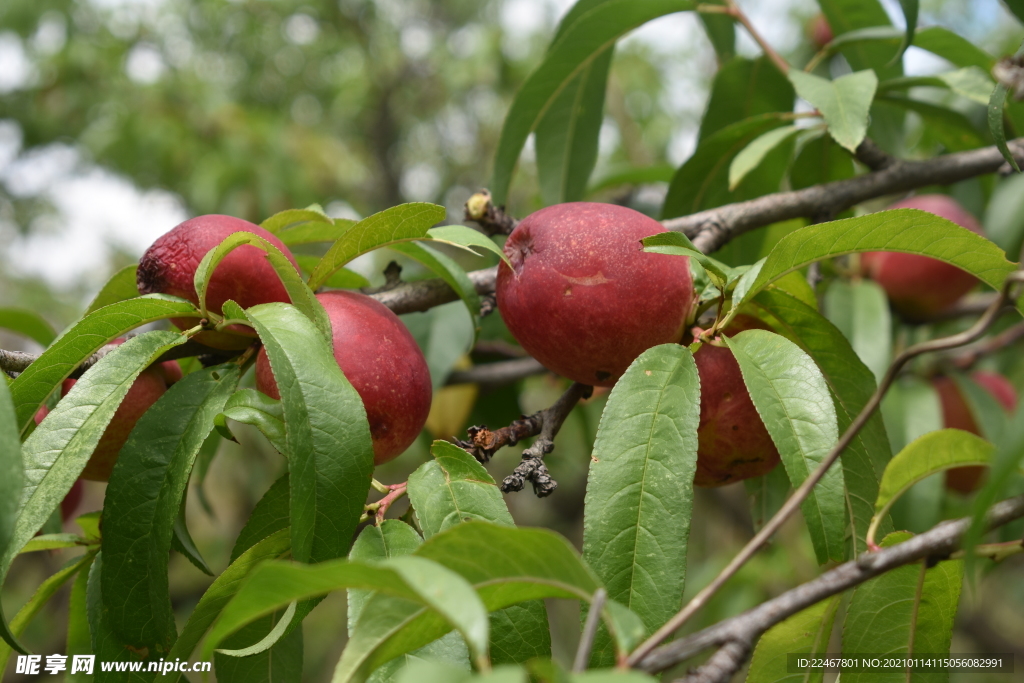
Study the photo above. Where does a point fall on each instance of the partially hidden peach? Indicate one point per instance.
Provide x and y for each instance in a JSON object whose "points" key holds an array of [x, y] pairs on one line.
{"points": [[956, 414], [244, 276], [384, 364], [920, 286]]}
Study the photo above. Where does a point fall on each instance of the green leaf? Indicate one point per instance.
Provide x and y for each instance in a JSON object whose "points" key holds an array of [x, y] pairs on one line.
{"points": [[82, 340], [448, 270], [506, 565], [584, 41], [906, 611], [1017, 7], [313, 232], [702, 181], [721, 32], [767, 494], [910, 10], [434, 672], [931, 453], [850, 15], [951, 128], [844, 103], [120, 287], [754, 153], [181, 540], [640, 487], [40, 598], [268, 517], [224, 588], [567, 134], [453, 488], [793, 400], [327, 438], [12, 471], [820, 160], [996, 105], [57, 451], [290, 218], [851, 384], [105, 644], [27, 323], [988, 413], [399, 223], [79, 641], [744, 88], [142, 503], [660, 173], [51, 541], [467, 238], [393, 538], [905, 230], [281, 663], [807, 631], [255, 408], [971, 82], [678, 244], [953, 47], [300, 295], [343, 278], [860, 309]]}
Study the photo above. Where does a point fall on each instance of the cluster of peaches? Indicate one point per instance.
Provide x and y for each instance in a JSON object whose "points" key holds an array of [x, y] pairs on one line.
{"points": [[581, 296]]}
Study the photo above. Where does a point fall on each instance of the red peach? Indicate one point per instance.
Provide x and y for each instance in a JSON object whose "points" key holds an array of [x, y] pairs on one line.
{"points": [[583, 298], [957, 415], [244, 276], [384, 364], [732, 441], [920, 286]]}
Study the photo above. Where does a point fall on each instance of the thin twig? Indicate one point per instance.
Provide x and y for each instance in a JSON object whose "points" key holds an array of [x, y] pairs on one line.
{"points": [[18, 361], [936, 544], [739, 15], [975, 352], [395, 492], [589, 631], [497, 374], [801, 493]]}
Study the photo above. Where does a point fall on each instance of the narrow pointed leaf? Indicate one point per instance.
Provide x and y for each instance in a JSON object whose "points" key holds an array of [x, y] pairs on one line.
{"points": [[397, 224], [12, 471], [143, 500], [996, 105], [268, 517], [27, 323], [744, 88], [586, 38], [327, 437], [343, 278], [255, 408], [678, 244], [120, 287], [906, 611], [754, 153], [905, 230], [313, 232], [281, 663], [292, 218], [301, 296], [640, 488], [567, 135], [105, 644], [861, 312], [448, 270], [851, 385], [79, 641], [910, 11], [82, 340], [793, 400], [468, 239], [934, 452], [55, 454]]}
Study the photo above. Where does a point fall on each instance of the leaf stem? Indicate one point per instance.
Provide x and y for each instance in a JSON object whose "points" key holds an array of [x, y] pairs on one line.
{"points": [[734, 11], [589, 631]]}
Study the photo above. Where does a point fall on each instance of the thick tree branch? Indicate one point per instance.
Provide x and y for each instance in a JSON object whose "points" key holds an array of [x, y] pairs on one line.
{"points": [[741, 632], [712, 229], [14, 362], [804, 490], [425, 294]]}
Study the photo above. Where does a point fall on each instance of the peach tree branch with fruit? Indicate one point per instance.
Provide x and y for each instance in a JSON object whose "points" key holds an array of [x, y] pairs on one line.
{"points": [[705, 327]]}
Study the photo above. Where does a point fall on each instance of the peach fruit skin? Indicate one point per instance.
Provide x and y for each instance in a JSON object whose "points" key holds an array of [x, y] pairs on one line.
{"points": [[244, 276], [583, 298], [149, 386], [384, 364], [732, 441], [920, 286], [957, 415]]}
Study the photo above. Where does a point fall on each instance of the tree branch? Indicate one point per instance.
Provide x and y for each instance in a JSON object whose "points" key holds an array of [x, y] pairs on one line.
{"points": [[14, 362], [411, 297], [492, 219], [742, 631], [804, 490], [712, 229], [497, 374]]}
